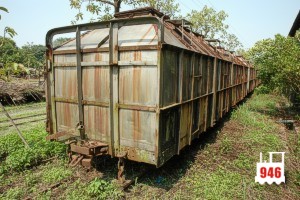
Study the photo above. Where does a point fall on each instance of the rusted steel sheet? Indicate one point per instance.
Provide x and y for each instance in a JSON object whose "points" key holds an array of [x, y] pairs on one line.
{"points": [[97, 123], [65, 82], [137, 129], [67, 116], [145, 34], [89, 40], [138, 85], [95, 85], [185, 125], [149, 86]]}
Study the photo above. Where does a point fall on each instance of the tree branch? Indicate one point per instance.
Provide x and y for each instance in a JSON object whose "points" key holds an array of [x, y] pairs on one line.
{"points": [[108, 2]]}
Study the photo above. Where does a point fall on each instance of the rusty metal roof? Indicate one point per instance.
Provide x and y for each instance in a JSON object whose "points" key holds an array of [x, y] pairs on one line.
{"points": [[140, 12], [147, 34]]}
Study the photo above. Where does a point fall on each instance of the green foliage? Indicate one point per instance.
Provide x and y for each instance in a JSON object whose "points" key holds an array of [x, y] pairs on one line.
{"points": [[59, 41], [33, 55], [278, 62], [101, 189], [13, 193], [226, 145], [16, 61], [262, 89], [168, 7], [10, 31], [72, 192], [17, 157], [221, 184], [211, 24], [104, 10], [52, 175], [9, 52], [97, 189], [7, 30]]}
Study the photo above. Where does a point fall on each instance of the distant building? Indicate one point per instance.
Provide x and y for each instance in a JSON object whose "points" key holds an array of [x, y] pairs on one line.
{"points": [[296, 25]]}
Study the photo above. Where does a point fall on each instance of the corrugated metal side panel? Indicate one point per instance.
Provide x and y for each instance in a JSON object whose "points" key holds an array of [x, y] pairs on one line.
{"points": [[170, 77], [144, 55], [197, 76], [95, 84], [65, 60], [185, 124], [145, 34], [66, 82], [88, 40], [97, 123], [138, 85], [94, 57], [202, 114], [64, 111], [172, 40], [137, 129], [187, 77], [96, 91]]}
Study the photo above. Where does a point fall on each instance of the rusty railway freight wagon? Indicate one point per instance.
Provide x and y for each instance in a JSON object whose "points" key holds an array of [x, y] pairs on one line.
{"points": [[140, 87]]}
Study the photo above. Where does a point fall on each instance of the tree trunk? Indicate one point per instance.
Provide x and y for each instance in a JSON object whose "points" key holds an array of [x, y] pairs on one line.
{"points": [[117, 4]]}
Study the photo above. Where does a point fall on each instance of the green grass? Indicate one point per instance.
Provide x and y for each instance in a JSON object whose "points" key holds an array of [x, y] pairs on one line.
{"points": [[225, 168], [237, 154], [52, 175], [16, 157], [219, 184]]}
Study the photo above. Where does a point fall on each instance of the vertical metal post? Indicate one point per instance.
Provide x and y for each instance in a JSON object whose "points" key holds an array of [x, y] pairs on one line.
{"points": [[192, 96], [114, 87], [214, 90], [79, 85], [180, 75], [51, 94], [248, 79], [180, 80], [159, 100]]}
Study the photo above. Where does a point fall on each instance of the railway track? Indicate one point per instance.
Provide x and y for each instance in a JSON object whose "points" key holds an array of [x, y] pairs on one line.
{"points": [[23, 120]]}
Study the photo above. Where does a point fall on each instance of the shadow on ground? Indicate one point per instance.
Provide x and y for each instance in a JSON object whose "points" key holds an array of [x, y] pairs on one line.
{"points": [[173, 170]]}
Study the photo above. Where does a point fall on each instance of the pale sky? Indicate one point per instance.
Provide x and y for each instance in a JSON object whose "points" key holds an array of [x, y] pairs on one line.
{"points": [[249, 20]]}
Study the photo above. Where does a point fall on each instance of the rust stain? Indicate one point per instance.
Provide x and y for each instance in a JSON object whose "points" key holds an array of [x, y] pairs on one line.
{"points": [[136, 84], [97, 82], [98, 57], [137, 55], [147, 32], [136, 127]]}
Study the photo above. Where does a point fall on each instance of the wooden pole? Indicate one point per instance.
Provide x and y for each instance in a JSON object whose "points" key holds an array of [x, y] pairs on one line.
{"points": [[13, 123]]}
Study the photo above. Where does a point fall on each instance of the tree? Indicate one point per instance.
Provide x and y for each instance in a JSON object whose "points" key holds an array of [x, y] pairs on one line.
{"points": [[278, 62], [168, 7], [211, 24], [59, 41], [32, 55], [9, 52], [103, 8], [7, 30]]}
